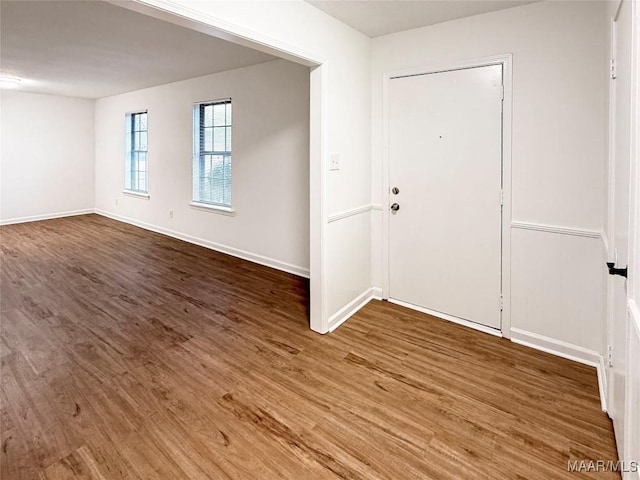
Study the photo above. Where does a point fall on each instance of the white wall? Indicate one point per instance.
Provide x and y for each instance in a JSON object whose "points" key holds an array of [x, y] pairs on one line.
{"points": [[270, 172], [46, 155], [343, 269], [558, 151]]}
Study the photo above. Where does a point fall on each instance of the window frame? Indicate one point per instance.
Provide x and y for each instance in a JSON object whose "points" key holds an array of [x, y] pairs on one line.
{"points": [[200, 153], [131, 182]]}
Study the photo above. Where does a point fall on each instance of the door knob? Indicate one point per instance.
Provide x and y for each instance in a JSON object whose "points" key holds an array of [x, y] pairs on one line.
{"points": [[395, 207]]}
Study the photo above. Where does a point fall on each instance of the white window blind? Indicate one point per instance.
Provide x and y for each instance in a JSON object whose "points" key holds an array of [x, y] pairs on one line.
{"points": [[136, 163], [212, 153]]}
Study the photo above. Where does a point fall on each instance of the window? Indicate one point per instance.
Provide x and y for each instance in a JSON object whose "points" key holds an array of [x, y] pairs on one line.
{"points": [[136, 167], [212, 153]]}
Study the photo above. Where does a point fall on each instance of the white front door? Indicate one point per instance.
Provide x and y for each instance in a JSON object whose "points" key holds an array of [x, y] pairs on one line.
{"points": [[445, 150]]}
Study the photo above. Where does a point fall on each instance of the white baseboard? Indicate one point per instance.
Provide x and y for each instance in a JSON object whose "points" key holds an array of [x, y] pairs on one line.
{"points": [[565, 350], [449, 318], [46, 216], [350, 309], [235, 252], [377, 293], [556, 347]]}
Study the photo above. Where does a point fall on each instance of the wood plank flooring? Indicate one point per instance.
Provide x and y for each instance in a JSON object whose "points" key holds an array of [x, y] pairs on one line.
{"points": [[130, 355]]}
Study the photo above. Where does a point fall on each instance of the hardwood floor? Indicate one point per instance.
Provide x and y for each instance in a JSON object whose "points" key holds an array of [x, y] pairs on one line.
{"points": [[128, 355]]}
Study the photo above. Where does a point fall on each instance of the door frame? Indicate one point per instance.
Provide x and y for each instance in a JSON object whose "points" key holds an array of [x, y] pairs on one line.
{"points": [[505, 60], [628, 413], [609, 234]]}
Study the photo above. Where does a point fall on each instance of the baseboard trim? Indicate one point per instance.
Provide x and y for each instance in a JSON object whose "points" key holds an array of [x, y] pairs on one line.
{"points": [[449, 318], [377, 293], [235, 252], [565, 350], [350, 309], [46, 216], [556, 347]]}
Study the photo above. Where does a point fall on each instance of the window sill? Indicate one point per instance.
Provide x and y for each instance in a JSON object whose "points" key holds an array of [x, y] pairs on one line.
{"points": [[213, 208], [133, 193]]}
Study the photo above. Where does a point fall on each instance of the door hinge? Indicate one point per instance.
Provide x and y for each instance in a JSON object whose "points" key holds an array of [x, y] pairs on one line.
{"points": [[614, 72], [501, 197], [501, 302], [614, 51], [609, 355], [501, 92]]}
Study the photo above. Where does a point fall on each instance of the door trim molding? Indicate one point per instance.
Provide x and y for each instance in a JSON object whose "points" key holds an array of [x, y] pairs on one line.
{"points": [[505, 60]]}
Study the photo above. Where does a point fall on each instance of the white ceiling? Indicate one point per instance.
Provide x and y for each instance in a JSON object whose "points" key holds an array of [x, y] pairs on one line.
{"points": [[94, 49], [375, 18]]}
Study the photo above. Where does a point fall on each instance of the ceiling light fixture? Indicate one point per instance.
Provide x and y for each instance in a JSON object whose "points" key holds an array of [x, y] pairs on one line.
{"points": [[9, 82]]}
